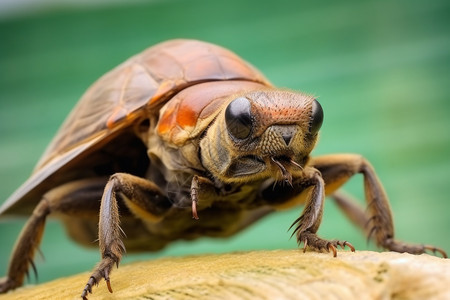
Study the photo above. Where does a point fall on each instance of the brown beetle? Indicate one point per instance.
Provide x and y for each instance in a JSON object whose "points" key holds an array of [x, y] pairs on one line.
{"points": [[187, 125]]}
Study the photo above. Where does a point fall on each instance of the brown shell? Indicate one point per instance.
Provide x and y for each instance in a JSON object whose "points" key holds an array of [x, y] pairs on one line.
{"points": [[144, 82]]}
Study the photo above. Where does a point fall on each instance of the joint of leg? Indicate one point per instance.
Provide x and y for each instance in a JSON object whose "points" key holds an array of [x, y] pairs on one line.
{"points": [[43, 208]]}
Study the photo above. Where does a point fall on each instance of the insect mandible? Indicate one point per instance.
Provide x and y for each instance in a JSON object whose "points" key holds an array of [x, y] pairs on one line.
{"points": [[187, 129]]}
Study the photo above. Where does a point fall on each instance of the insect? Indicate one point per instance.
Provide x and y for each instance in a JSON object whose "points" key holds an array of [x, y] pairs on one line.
{"points": [[187, 130]]}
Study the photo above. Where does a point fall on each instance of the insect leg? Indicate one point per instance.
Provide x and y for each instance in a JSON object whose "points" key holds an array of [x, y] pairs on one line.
{"points": [[26, 245], [308, 223], [66, 199], [143, 198], [337, 169]]}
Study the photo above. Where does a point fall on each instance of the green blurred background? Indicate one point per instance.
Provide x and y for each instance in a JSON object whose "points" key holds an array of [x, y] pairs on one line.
{"points": [[381, 70]]}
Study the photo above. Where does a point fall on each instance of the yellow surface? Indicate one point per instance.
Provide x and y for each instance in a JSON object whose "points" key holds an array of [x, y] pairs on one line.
{"points": [[265, 275]]}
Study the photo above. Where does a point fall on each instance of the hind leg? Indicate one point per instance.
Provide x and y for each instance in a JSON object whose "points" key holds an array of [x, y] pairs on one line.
{"points": [[70, 199]]}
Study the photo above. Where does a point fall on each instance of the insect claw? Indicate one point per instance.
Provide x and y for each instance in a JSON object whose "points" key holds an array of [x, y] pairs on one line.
{"points": [[332, 248], [345, 243], [305, 245], [108, 283], [352, 248], [436, 250]]}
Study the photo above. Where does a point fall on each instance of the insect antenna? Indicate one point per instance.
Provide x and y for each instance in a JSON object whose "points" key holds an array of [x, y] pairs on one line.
{"points": [[294, 163], [284, 173]]}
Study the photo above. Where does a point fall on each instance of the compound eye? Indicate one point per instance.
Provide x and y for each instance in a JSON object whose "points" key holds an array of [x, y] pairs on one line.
{"points": [[238, 118], [316, 118]]}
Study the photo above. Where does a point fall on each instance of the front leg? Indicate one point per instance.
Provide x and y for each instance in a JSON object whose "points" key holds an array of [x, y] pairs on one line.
{"points": [[336, 170], [308, 223], [143, 198]]}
